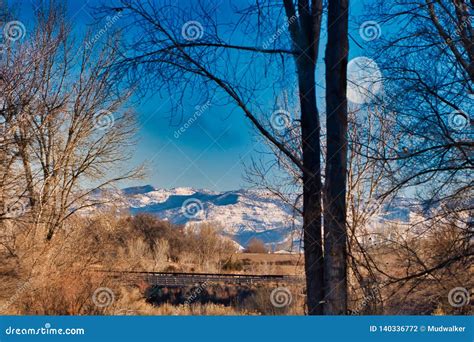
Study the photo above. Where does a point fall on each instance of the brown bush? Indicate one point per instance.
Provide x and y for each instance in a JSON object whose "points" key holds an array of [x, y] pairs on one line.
{"points": [[256, 246], [60, 276]]}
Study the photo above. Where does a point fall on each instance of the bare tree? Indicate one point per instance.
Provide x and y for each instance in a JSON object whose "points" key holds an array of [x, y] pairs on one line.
{"points": [[424, 52], [427, 66], [64, 122], [335, 235], [172, 49]]}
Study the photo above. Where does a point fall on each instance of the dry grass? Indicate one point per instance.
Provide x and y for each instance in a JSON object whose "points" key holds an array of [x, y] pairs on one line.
{"points": [[58, 277], [268, 263]]}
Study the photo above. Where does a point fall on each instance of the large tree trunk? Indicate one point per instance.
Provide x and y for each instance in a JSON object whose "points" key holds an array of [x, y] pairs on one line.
{"points": [[310, 130], [305, 33], [335, 236]]}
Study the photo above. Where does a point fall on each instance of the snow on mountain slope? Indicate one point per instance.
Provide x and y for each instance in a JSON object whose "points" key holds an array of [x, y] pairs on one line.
{"points": [[241, 215]]}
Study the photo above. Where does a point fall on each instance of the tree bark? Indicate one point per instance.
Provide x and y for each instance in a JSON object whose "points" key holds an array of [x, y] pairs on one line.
{"points": [[310, 133], [335, 235], [305, 35]]}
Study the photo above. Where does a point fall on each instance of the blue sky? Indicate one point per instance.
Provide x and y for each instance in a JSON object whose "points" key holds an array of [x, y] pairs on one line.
{"points": [[212, 151]]}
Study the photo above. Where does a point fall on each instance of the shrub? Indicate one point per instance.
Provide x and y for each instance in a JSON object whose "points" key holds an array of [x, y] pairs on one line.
{"points": [[256, 246]]}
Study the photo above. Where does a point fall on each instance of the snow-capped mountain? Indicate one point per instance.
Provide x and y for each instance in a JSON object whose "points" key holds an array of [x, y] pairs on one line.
{"points": [[240, 215]]}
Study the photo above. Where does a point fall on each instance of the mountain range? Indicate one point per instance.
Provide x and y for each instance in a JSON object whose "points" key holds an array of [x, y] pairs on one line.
{"points": [[240, 215]]}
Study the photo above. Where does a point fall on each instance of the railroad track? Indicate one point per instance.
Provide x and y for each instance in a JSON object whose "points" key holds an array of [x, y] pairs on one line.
{"points": [[190, 279]]}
